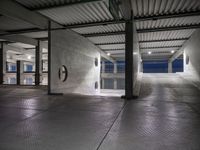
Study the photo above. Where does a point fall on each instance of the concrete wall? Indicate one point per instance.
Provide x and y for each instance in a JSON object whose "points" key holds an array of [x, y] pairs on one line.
{"points": [[136, 60], [192, 50], [78, 55]]}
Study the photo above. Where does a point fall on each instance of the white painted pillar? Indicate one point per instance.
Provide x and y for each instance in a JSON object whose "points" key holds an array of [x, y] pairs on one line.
{"points": [[169, 67], [115, 72], [4, 59], [38, 63], [22, 79], [103, 71], [141, 66]]}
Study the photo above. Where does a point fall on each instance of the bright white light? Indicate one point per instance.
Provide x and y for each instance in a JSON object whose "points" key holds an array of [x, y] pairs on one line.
{"points": [[172, 52], [134, 53], [29, 57], [149, 53], [108, 54]]}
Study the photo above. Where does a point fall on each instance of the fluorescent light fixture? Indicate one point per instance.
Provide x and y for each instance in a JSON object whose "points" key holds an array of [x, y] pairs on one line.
{"points": [[172, 52], [108, 54], [149, 53], [29, 57]]}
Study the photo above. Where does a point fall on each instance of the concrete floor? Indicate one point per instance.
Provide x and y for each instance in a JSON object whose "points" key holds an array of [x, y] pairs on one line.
{"points": [[165, 117]]}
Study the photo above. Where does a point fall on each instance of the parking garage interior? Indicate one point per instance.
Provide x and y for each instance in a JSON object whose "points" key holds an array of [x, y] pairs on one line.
{"points": [[99, 74]]}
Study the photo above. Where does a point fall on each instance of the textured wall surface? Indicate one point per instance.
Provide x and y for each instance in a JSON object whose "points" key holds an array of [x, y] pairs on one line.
{"points": [[136, 58], [78, 55], [192, 53]]}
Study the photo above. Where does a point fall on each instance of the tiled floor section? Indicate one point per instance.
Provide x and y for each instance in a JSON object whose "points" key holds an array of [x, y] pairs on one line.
{"points": [[165, 117]]}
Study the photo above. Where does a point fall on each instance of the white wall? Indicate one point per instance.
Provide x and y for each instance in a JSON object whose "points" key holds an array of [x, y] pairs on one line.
{"points": [[192, 50], [78, 55], [136, 61]]}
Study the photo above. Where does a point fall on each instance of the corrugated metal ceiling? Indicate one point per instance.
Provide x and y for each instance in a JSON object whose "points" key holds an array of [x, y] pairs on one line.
{"points": [[168, 22], [165, 35], [161, 44], [7, 23], [101, 29], [99, 12], [36, 34], [37, 4], [77, 14], [159, 50], [113, 46], [108, 39], [156, 7]]}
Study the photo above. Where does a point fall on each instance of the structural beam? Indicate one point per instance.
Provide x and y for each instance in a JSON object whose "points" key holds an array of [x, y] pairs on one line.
{"points": [[103, 34], [168, 16], [17, 49], [160, 47], [164, 40], [66, 4], [14, 10], [125, 9], [110, 43], [21, 31], [101, 23], [119, 49], [176, 55], [115, 52], [147, 41], [185, 27], [20, 39], [104, 55]]}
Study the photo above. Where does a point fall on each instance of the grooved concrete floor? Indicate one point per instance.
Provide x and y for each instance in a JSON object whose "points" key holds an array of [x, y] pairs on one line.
{"points": [[165, 117]]}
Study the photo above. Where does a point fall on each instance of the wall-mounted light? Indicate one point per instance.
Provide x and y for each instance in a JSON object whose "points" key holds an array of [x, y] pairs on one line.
{"points": [[134, 53], [29, 57], [108, 54], [149, 53]]}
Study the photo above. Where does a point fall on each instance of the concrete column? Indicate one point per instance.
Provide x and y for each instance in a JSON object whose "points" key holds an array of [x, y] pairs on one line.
{"points": [[170, 67], [20, 72], [141, 66], [129, 60], [2, 63], [102, 71], [49, 58], [103, 66], [38, 63], [115, 71]]}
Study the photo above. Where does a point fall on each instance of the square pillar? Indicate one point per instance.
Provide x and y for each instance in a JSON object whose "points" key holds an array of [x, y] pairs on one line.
{"points": [[49, 58], [102, 71], [115, 72], [2, 62], [141, 66], [102, 66], [20, 72], [38, 63], [170, 67], [129, 60]]}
